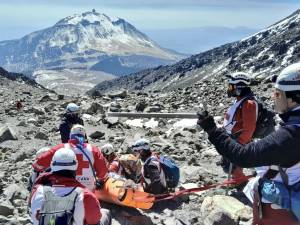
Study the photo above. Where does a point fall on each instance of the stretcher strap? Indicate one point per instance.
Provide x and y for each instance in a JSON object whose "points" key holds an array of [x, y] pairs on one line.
{"points": [[176, 194]]}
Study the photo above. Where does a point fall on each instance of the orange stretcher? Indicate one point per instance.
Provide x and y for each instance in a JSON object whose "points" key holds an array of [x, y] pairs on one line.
{"points": [[114, 191]]}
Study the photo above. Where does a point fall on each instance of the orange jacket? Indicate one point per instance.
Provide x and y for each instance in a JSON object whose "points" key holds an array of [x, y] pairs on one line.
{"points": [[245, 118]]}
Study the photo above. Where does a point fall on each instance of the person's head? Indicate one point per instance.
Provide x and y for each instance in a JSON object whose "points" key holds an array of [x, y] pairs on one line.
{"points": [[72, 110], [142, 148], [238, 84], [287, 89], [108, 152], [78, 133], [64, 163]]}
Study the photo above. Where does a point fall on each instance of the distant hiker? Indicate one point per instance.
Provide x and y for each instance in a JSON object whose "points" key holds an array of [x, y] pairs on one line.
{"points": [[240, 119], [58, 198], [127, 165], [276, 189], [91, 171], [19, 105], [71, 117]]}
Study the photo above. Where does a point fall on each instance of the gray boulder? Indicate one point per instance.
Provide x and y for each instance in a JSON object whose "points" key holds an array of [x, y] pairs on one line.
{"points": [[221, 209], [36, 110], [120, 94], [97, 135], [94, 108], [14, 191], [110, 121], [6, 133], [153, 109], [6, 209], [42, 136]]}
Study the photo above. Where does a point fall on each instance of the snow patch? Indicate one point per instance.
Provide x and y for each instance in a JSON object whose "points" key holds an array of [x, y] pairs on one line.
{"points": [[139, 123], [288, 55]]}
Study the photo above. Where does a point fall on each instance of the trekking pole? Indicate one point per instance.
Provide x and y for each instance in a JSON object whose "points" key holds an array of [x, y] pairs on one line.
{"points": [[153, 115]]}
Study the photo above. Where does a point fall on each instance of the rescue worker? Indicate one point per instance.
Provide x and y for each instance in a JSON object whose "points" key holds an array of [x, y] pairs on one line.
{"points": [[240, 119], [113, 163], [127, 166], [70, 118], [91, 169], [58, 197], [279, 152], [153, 176]]}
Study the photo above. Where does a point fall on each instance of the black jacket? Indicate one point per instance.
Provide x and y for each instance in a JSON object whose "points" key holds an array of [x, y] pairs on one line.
{"points": [[282, 147], [66, 124], [152, 172]]}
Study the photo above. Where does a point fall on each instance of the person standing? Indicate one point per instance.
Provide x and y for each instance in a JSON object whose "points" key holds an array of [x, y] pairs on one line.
{"points": [[276, 190], [240, 118], [70, 118]]}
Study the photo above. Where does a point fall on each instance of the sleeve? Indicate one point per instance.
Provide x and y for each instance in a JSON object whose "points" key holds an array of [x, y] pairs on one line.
{"points": [[99, 164], [44, 160], [37, 199], [92, 214], [64, 130], [156, 186], [249, 116], [277, 148]]}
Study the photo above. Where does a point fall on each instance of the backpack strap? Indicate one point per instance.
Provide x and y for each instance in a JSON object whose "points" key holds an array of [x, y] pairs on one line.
{"points": [[88, 158], [249, 97]]}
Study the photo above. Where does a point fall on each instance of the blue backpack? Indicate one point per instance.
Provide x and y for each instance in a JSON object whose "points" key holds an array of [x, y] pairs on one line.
{"points": [[171, 171]]}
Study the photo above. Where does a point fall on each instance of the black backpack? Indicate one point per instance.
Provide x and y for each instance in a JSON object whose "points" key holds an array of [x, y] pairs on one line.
{"points": [[265, 123], [58, 210]]}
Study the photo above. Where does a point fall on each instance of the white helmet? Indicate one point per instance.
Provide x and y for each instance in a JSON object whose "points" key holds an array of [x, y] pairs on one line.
{"points": [[289, 78], [239, 77], [107, 149], [72, 108], [64, 159], [141, 144], [77, 129]]}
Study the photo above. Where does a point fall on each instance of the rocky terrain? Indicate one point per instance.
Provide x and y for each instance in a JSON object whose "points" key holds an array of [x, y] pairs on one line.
{"points": [[25, 131], [262, 54]]}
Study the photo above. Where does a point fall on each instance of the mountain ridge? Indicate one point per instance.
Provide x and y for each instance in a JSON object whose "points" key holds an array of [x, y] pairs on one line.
{"points": [[82, 39], [261, 54]]}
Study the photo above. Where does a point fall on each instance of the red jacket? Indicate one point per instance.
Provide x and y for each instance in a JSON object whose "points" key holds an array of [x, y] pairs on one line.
{"points": [[87, 207], [245, 118], [84, 172]]}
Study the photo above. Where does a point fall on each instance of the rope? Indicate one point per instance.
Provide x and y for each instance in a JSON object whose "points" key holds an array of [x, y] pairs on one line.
{"points": [[168, 196]]}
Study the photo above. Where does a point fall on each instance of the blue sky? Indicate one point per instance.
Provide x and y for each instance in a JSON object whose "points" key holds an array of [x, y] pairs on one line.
{"points": [[156, 17]]}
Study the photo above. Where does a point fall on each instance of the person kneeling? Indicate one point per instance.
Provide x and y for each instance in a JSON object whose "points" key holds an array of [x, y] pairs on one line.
{"points": [[153, 175], [58, 198]]}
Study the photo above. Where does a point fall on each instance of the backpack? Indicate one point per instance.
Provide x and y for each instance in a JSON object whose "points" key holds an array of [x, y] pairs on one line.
{"points": [[58, 210], [171, 171], [265, 123]]}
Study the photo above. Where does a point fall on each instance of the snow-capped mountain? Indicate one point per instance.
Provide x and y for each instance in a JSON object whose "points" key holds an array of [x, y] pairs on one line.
{"points": [[262, 54], [82, 42]]}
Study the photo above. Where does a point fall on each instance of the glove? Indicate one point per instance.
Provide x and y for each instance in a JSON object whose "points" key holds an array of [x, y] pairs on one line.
{"points": [[99, 184], [206, 121]]}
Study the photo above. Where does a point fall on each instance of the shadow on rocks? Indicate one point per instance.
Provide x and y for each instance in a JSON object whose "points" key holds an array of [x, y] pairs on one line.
{"points": [[168, 204], [125, 215]]}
